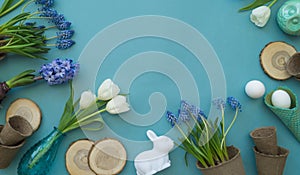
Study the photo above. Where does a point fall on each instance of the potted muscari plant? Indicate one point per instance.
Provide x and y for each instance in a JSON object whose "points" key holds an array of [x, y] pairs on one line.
{"points": [[80, 113], [207, 140]]}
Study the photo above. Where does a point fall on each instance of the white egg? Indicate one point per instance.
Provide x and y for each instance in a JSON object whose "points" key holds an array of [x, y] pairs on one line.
{"points": [[281, 98], [255, 89]]}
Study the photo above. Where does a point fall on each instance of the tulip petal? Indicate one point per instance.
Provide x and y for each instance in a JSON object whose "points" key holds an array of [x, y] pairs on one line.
{"points": [[260, 16], [108, 90], [87, 98], [117, 105]]}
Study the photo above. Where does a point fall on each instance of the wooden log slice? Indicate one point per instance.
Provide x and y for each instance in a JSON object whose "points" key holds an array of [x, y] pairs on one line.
{"points": [[77, 158], [107, 157], [274, 57], [27, 109]]}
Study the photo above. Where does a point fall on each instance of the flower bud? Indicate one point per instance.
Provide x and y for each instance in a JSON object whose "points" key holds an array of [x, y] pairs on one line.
{"points": [[87, 98], [108, 90], [260, 16], [117, 105]]}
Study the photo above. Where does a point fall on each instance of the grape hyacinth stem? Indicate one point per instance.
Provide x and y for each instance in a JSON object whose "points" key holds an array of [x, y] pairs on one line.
{"points": [[9, 9]]}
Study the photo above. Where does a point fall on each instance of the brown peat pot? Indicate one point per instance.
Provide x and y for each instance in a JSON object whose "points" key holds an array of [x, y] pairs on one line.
{"points": [[8, 153], [271, 164], [265, 139], [234, 166]]}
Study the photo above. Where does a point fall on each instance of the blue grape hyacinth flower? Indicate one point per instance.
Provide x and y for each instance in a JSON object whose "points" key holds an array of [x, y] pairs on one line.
{"points": [[188, 109], [234, 103], [172, 119], [65, 34], [64, 44], [219, 103], [48, 12], [64, 25], [46, 3], [58, 19]]}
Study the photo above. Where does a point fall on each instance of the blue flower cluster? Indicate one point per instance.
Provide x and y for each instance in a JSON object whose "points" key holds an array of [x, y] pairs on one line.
{"points": [[56, 18], [64, 44], [184, 113], [172, 118], [187, 109], [234, 103], [219, 103], [65, 34], [46, 3], [59, 71]]}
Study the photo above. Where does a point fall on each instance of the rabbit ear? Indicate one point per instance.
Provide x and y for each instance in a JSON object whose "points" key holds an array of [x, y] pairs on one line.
{"points": [[151, 135]]}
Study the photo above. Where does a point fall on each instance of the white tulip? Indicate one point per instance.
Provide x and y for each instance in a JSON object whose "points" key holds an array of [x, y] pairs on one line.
{"points": [[260, 15], [117, 105], [87, 98], [108, 90]]}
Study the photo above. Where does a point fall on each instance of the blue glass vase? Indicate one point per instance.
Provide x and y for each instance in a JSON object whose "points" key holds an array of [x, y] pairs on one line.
{"points": [[39, 158]]}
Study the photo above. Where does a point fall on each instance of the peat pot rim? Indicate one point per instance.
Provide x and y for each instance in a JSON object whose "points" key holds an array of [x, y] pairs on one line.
{"points": [[237, 154], [282, 152], [25, 133], [13, 146], [254, 133]]}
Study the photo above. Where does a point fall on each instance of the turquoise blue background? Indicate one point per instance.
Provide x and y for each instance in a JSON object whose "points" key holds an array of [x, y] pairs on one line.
{"points": [[235, 39]]}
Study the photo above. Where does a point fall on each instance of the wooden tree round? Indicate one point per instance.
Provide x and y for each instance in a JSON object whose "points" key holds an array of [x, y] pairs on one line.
{"points": [[107, 156], [77, 158]]}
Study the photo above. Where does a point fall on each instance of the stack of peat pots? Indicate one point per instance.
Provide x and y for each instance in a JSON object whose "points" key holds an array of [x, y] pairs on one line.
{"points": [[12, 138], [23, 118], [270, 158]]}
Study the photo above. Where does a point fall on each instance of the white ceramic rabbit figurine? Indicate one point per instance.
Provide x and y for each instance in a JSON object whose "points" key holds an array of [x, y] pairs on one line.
{"points": [[152, 161]]}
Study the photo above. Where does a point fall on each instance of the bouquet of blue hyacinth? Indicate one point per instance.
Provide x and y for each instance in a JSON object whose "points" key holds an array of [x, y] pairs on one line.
{"points": [[56, 72], [206, 139], [21, 35]]}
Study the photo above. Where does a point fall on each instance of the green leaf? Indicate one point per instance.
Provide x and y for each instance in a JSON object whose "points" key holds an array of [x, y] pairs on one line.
{"points": [[20, 52], [68, 111], [23, 40], [19, 36], [15, 20], [23, 74], [23, 82], [18, 46], [27, 76], [254, 4], [185, 159]]}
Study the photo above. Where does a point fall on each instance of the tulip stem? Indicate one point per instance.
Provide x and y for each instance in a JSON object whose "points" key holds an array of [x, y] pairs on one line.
{"points": [[272, 3], [91, 115]]}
